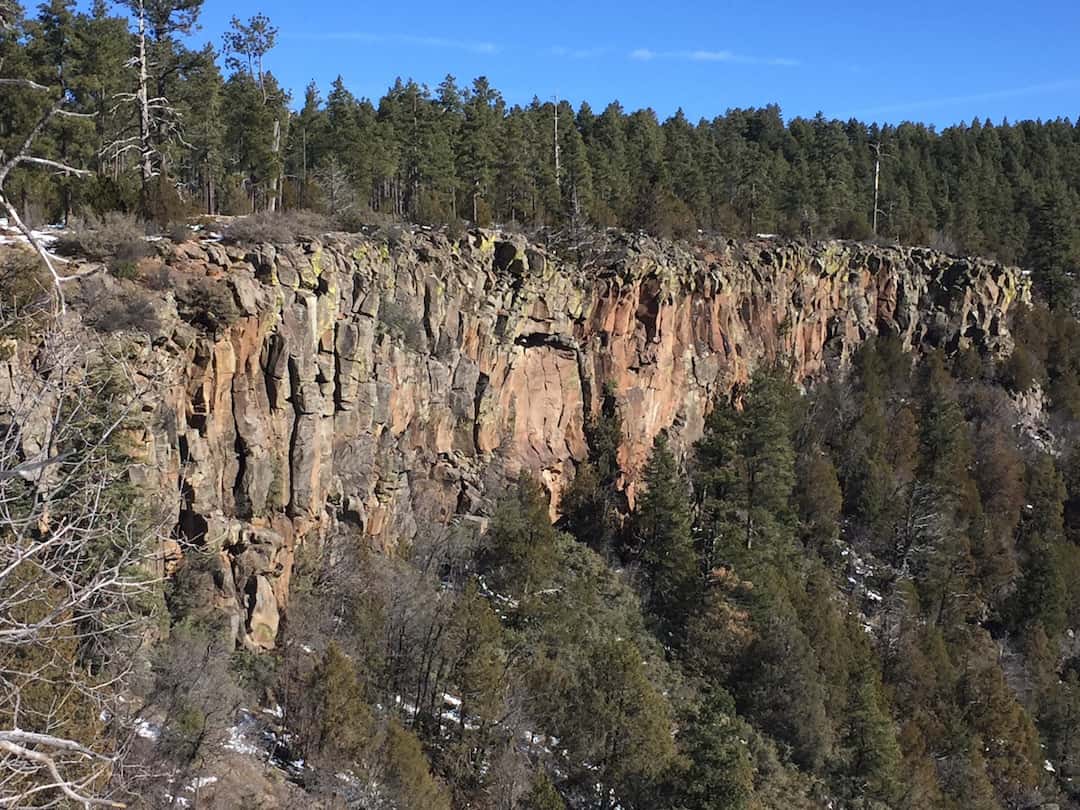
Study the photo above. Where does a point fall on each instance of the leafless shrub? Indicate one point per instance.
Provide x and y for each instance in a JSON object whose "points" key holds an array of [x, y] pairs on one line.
{"points": [[111, 307], [115, 236], [276, 227], [194, 702], [76, 583], [179, 232], [159, 278], [133, 313], [337, 187], [941, 241]]}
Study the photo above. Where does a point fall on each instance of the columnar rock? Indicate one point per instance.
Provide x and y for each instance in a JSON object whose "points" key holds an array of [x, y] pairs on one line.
{"points": [[390, 386]]}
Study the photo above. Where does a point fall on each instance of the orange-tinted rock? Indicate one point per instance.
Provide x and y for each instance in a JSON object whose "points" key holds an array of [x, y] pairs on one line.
{"points": [[391, 391]]}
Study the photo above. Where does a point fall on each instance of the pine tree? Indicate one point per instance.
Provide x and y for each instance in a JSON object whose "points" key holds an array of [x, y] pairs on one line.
{"points": [[479, 142], [870, 740], [543, 795], [719, 773], [623, 727], [520, 547], [662, 534], [768, 474], [475, 639], [1051, 251], [717, 481], [345, 719], [247, 46], [778, 688], [591, 505], [819, 496]]}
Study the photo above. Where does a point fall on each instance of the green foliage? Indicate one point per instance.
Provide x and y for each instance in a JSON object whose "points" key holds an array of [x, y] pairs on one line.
{"points": [[1020, 371], [717, 772], [870, 742], [407, 773], [820, 499], [1040, 595], [443, 154], [778, 688], [745, 471], [520, 547], [543, 796], [25, 296], [720, 631], [1052, 247], [479, 664], [623, 722], [861, 663], [666, 548], [345, 720], [591, 504]]}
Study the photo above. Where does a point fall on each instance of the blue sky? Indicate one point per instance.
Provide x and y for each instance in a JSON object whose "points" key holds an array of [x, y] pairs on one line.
{"points": [[939, 62]]}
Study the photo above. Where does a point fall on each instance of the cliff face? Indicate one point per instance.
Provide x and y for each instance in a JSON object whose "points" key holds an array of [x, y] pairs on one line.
{"points": [[393, 386]]}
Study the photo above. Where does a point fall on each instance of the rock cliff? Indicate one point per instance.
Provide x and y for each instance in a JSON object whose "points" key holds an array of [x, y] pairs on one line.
{"points": [[393, 385]]}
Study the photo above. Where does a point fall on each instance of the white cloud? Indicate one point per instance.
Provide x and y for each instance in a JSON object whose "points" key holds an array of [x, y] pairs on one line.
{"points": [[479, 47], [703, 55], [563, 52], [710, 56], [992, 95]]}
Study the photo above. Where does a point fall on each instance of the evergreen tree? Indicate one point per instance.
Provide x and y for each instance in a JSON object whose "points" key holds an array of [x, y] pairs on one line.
{"points": [[662, 535], [719, 774], [483, 109], [543, 796], [1051, 250], [623, 724], [520, 547], [768, 459], [870, 740]]}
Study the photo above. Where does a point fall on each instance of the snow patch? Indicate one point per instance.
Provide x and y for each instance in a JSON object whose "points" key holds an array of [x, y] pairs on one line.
{"points": [[147, 730], [238, 740]]}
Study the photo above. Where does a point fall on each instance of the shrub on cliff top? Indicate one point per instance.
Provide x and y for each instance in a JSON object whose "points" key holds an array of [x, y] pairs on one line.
{"points": [[115, 236], [207, 303], [276, 227]]}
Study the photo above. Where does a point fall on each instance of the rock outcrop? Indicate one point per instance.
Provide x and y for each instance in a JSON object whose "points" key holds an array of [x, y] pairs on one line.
{"points": [[394, 386]]}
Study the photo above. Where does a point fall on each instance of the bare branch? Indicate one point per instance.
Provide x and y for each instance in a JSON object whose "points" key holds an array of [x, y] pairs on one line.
{"points": [[61, 167], [71, 114], [61, 784], [29, 85]]}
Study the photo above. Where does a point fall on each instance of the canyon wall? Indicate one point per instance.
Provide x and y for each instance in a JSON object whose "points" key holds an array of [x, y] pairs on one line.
{"points": [[393, 384]]}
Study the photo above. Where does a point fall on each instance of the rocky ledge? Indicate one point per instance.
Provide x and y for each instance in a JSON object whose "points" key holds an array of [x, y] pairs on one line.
{"points": [[394, 384]]}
